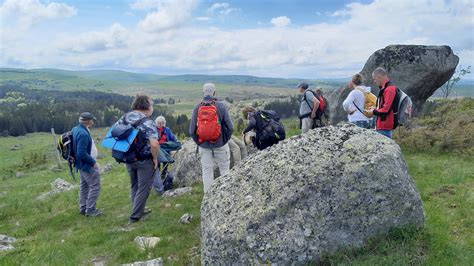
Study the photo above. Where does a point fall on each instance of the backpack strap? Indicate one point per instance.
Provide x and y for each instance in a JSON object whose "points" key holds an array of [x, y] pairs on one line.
{"points": [[306, 99]]}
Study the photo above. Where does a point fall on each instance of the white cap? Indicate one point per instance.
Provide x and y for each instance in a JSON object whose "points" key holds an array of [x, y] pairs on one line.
{"points": [[208, 89]]}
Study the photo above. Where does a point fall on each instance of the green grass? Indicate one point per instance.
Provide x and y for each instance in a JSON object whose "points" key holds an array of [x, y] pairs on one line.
{"points": [[51, 232]]}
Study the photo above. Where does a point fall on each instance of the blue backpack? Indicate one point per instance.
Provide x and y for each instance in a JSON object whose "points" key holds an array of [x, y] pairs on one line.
{"points": [[127, 142]]}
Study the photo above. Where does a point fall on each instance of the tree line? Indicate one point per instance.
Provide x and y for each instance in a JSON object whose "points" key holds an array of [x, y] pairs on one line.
{"points": [[24, 110]]}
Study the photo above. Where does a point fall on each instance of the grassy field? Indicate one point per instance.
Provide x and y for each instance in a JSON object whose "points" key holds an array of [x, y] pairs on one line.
{"points": [[51, 232]]}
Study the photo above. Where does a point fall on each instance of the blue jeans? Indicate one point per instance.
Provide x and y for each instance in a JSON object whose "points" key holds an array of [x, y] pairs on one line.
{"points": [[386, 133], [362, 123]]}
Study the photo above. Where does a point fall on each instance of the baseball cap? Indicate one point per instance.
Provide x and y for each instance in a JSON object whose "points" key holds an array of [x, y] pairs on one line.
{"points": [[302, 85], [86, 116], [209, 89]]}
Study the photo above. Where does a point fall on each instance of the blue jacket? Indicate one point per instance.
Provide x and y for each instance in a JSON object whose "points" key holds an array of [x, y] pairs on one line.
{"points": [[169, 135], [82, 145], [224, 118]]}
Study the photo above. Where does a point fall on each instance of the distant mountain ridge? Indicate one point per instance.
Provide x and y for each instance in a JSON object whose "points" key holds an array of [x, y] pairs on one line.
{"points": [[121, 76]]}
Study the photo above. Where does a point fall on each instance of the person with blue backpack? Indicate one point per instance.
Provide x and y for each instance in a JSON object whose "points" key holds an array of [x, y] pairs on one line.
{"points": [[142, 157], [85, 154]]}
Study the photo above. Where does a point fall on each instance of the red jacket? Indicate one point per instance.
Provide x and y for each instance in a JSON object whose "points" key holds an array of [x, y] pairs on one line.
{"points": [[384, 112]]}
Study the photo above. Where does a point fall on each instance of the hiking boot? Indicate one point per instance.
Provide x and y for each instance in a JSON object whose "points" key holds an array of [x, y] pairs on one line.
{"points": [[94, 213], [132, 221], [82, 212]]}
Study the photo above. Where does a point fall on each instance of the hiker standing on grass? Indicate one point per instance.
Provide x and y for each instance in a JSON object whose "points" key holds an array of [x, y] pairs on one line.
{"points": [[85, 161], [143, 170], [354, 104], [385, 117], [308, 107], [211, 129]]}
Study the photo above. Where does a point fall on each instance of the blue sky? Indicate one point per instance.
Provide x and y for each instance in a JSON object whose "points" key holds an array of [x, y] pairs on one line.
{"points": [[299, 38]]}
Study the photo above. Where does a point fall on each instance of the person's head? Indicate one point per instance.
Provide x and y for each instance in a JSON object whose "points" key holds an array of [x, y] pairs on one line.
{"points": [[319, 92], [143, 103], [226, 105], [87, 119], [356, 80], [160, 121], [380, 76], [302, 86], [246, 111], [209, 89]]}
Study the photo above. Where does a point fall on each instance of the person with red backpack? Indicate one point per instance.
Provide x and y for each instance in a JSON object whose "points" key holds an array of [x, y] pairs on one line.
{"points": [[211, 129], [308, 108], [384, 113]]}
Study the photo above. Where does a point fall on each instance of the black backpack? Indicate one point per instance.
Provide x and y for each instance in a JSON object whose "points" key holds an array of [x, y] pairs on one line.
{"points": [[136, 150], [270, 130], [66, 150]]}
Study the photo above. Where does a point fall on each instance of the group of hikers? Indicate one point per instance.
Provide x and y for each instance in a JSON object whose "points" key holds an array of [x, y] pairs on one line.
{"points": [[145, 145]]}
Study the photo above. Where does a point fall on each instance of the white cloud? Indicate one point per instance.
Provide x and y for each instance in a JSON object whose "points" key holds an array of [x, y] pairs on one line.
{"points": [[145, 4], [217, 6], [23, 14], [203, 18], [319, 50], [282, 21], [222, 8], [115, 37], [170, 15]]}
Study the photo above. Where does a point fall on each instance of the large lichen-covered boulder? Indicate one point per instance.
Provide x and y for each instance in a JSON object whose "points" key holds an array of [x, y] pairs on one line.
{"points": [[330, 188], [417, 69]]}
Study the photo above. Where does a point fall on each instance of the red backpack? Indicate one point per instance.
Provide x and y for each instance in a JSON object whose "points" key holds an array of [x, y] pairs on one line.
{"points": [[208, 124]]}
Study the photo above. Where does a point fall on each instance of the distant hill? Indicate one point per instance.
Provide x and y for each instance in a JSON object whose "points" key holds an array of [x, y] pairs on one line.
{"points": [[118, 77]]}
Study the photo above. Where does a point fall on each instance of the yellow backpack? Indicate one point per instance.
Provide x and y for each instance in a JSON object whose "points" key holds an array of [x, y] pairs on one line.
{"points": [[370, 100]]}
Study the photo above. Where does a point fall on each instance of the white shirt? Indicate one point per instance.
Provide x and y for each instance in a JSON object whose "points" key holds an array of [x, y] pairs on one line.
{"points": [[94, 151], [357, 97]]}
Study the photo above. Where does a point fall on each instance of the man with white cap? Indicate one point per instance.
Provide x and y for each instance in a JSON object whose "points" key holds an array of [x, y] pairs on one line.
{"points": [[211, 128], [85, 161]]}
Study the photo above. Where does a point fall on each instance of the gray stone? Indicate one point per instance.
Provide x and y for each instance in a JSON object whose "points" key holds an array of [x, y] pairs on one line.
{"points": [[153, 262], [177, 192], [5, 243], [19, 175], [6, 239], [328, 189], [146, 242], [416, 69], [58, 185], [107, 168], [178, 205], [15, 147], [186, 218]]}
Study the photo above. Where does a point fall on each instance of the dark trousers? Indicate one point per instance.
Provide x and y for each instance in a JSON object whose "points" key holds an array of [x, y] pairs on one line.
{"points": [[141, 177]]}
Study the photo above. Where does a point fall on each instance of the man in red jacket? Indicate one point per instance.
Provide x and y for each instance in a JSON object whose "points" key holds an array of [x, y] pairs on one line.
{"points": [[384, 111]]}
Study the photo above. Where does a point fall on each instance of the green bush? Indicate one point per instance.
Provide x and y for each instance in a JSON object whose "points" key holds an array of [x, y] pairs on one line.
{"points": [[445, 126]]}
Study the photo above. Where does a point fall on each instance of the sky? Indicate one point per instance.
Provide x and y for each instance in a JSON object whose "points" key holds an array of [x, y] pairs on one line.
{"points": [[268, 38]]}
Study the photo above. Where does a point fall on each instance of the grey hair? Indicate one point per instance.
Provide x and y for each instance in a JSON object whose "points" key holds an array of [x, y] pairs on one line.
{"points": [[380, 71], [161, 118]]}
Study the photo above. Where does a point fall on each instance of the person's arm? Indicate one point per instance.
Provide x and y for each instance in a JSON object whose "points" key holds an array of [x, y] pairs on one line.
{"points": [[228, 124], [315, 107], [192, 124], [82, 153], [154, 148], [389, 96], [347, 102], [252, 124], [172, 137]]}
